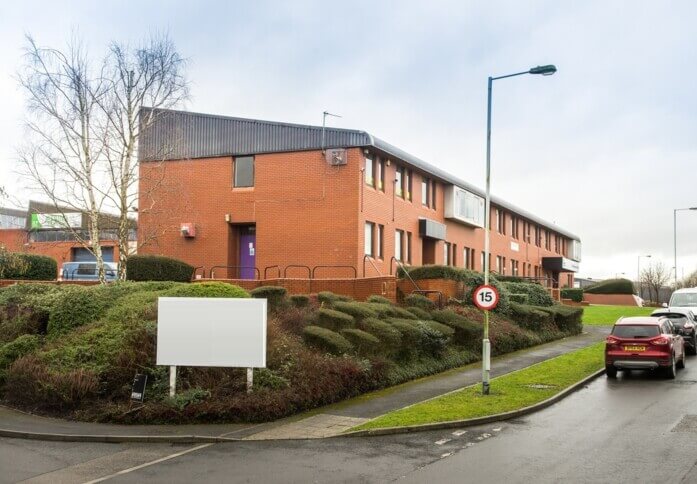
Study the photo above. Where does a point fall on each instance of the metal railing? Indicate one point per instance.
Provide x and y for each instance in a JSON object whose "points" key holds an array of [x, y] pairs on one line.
{"points": [[404, 270], [425, 292], [272, 267], [370, 259], [297, 266], [203, 272], [355, 272], [256, 271]]}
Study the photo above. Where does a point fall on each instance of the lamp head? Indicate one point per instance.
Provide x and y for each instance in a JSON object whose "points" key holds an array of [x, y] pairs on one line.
{"points": [[547, 70]]}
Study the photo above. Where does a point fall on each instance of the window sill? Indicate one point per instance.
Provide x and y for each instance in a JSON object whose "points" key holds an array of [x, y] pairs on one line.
{"points": [[242, 189]]}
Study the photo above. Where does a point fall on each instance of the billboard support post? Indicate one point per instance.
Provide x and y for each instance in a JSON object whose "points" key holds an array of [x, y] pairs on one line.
{"points": [[172, 381], [250, 379]]}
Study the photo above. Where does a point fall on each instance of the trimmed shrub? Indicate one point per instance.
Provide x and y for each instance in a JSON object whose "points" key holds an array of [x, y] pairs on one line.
{"points": [[518, 298], [299, 300], [432, 342], [573, 293], [13, 350], [328, 297], [566, 318], [207, 289], [157, 268], [77, 306], [419, 313], [275, 296], [378, 299], [466, 332], [30, 267], [334, 320], [365, 343], [390, 337], [611, 286], [384, 311], [537, 295], [419, 301], [530, 317], [326, 340], [432, 272], [357, 310], [440, 327]]}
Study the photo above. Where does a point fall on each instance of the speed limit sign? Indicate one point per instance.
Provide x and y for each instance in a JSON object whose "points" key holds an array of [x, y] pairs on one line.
{"points": [[485, 297]]}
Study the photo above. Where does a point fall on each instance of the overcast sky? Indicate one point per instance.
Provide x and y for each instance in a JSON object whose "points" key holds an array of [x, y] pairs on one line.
{"points": [[606, 148]]}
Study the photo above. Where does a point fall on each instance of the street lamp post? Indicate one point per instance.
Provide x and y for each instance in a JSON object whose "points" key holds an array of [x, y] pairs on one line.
{"points": [[638, 273], [547, 70], [675, 240]]}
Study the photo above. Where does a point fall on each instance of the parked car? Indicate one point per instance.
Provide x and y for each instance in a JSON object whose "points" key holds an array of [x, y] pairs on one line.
{"points": [[87, 271], [683, 299], [685, 323], [644, 343]]}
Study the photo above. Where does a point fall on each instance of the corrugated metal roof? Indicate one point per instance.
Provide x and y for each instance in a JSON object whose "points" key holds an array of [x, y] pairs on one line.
{"points": [[181, 135]]}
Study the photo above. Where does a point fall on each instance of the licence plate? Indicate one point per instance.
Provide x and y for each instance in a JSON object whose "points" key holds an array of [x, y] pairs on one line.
{"points": [[635, 348]]}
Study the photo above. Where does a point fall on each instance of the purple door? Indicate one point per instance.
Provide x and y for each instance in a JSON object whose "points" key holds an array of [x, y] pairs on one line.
{"points": [[248, 243]]}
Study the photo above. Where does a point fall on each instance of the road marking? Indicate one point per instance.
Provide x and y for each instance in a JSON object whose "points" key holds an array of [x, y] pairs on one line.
{"points": [[497, 429], [442, 441], [458, 433], [447, 454], [147, 464]]}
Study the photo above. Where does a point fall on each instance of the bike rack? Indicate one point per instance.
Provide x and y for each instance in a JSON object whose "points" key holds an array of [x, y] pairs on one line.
{"points": [[256, 271], [297, 266], [272, 267], [355, 272], [203, 272]]}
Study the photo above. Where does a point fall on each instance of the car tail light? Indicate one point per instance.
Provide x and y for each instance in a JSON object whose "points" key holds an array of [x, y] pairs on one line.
{"points": [[611, 340], [689, 326], [660, 341]]}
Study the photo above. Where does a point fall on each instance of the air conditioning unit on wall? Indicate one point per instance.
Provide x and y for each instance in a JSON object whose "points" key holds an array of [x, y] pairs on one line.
{"points": [[336, 157]]}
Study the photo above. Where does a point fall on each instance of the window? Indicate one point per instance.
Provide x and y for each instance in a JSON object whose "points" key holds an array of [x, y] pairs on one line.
{"points": [[548, 240], [500, 221], [381, 241], [369, 167], [483, 261], [514, 227], [446, 253], [399, 181], [538, 236], [527, 232], [433, 195], [463, 206], [407, 184], [243, 172], [409, 247], [368, 239], [454, 255], [514, 267], [380, 175], [398, 240], [467, 256], [425, 191]]}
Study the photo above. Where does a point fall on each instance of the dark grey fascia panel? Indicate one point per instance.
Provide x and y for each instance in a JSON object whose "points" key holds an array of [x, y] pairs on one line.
{"points": [[432, 229]]}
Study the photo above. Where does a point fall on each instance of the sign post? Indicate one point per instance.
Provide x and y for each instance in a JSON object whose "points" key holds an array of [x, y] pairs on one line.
{"points": [[486, 298]]}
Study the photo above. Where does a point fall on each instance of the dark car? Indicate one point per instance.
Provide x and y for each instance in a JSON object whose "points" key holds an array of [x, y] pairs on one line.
{"points": [[644, 343], [685, 322]]}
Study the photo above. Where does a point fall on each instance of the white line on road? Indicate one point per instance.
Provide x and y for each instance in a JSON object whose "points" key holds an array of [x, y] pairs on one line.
{"points": [[458, 433], [442, 441], [156, 461]]}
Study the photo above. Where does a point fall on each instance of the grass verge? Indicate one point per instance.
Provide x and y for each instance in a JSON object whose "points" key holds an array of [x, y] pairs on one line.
{"points": [[508, 392], [607, 315]]}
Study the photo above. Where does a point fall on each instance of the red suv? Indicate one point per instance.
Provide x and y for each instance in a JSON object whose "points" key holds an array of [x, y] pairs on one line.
{"points": [[644, 343]]}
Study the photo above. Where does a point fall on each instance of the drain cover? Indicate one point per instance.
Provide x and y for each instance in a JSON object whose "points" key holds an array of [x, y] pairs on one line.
{"points": [[687, 424], [540, 386]]}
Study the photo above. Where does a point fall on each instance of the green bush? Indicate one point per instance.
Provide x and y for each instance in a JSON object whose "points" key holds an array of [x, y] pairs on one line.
{"points": [[466, 332], [537, 295], [364, 342], [275, 296], [157, 268], [518, 298], [207, 289], [611, 286], [419, 301], [78, 305], [566, 318], [357, 310], [326, 340], [266, 378], [138, 307], [328, 297], [440, 327], [432, 341], [384, 311], [433, 272], [378, 299], [419, 313], [29, 267], [299, 300], [334, 320], [530, 317], [13, 350], [573, 293], [390, 337]]}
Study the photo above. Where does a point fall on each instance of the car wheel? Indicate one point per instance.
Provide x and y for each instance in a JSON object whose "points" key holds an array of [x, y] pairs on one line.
{"points": [[610, 371], [671, 371], [681, 364], [693, 349]]}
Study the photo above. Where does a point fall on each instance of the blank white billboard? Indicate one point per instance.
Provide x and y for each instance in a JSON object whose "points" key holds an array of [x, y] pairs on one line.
{"points": [[195, 331]]}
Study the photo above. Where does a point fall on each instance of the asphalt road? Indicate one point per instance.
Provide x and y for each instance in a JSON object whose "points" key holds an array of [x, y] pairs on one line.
{"points": [[638, 428]]}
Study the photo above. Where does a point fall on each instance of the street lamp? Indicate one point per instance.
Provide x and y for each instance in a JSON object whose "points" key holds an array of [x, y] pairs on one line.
{"points": [[675, 239], [638, 273], [547, 70]]}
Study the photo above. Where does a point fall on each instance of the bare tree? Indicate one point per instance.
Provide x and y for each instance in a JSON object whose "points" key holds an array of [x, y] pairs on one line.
{"points": [[654, 277], [86, 125], [689, 281]]}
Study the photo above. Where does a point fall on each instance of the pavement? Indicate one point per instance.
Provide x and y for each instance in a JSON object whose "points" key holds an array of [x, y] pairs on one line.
{"points": [[328, 421]]}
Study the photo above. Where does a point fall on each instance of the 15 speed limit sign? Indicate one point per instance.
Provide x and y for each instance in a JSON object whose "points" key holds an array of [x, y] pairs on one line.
{"points": [[485, 297]]}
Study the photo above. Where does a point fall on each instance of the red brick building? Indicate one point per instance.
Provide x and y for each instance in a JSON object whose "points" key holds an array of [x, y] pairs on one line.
{"points": [[255, 196]]}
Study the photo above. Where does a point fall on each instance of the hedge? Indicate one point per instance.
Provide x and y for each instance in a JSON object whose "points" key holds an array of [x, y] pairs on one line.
{"points": [[537, 295], [530, 317], [378, 299], [518, 298], [207, 289], [357, 310], [275, 296], [466, 332], [157, 268], [440, 327], [334, 320], [384, 311], [326, 340], [573, 293], [419, 301], [299, 300], [390, 337], [419, 313], [365, 343], [566, 318], [31, 267], [13, 350], [611, 286], [328, 297]]}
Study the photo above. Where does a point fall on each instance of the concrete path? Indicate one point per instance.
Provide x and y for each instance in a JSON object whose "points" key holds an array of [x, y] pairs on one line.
{"points": [[331, 421]]}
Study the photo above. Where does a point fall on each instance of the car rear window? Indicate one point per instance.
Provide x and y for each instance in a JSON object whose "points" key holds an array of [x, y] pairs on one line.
{"points": [[635, 331]]}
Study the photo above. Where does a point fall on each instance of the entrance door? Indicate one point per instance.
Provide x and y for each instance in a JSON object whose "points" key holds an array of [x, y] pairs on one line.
{"points": [[248, 242]]}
